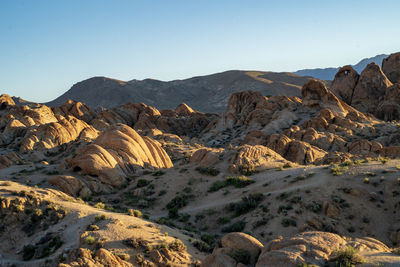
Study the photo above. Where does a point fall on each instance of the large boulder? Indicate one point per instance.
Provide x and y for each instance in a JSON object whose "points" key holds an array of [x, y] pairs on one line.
{"points": [[255, 158], [76, 109], [118, 152], [54, 134], [391, 67], [344, 83], [242, 241], [370, 89], [389, 108], [316, 95]]}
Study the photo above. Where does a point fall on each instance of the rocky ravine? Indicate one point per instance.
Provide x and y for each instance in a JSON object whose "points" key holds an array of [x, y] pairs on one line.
{"points": [[310, 177]]}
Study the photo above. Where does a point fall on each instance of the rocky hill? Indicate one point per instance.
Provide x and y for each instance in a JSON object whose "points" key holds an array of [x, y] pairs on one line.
{"points": [[313, 179], [328, 74], [205, 93]]}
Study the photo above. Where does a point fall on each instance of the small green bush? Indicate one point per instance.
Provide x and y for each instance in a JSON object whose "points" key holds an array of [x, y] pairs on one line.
{"points": [[99, 205], [241, 255], [235, 227], [208, 171], [346, 257], [236, 181], [142, 183], [90, 240]]}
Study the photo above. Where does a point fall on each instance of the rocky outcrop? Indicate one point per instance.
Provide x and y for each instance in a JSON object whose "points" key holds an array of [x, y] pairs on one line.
{"points": [[311, 248], [242, 241], [344, 83], [85, 257], [76, 109], [118, 152], [391, 67], [5, 101], [315, 94], [70, 185], [389, 108], [255, 158], [184, 110], [370, 89], [207, 157], [65, 130], [294, 150]]}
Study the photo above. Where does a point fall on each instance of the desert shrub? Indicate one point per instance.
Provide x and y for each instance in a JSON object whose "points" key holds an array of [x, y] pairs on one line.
{"points": [[236, 181], [28, 252], [142, 183], [100, 217], [314, 207], [209, 239], [208, 171], [286, 222], [241, 255], [339, 170], [383, 160], [247, 204], [123, 256], [177, 245], [136, 213], [346, 257], [90, 240], [158, 173], [247, 169], [93, 227], [235, 227], [223, 220], [202, 246], [99, 205], [177, 202], [259, 223], [287, 165]]}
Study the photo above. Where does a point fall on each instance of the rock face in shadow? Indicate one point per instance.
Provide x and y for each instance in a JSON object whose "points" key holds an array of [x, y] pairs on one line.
{"points": [[344, 83], [370, 89], [391, 67]]}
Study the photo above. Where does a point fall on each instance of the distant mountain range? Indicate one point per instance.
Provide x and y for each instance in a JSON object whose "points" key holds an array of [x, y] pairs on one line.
{"points": [[329, 73], [208, 93]]}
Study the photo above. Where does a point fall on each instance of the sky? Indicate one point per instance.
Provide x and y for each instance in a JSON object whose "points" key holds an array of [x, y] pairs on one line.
{"points": [[46, 46]]}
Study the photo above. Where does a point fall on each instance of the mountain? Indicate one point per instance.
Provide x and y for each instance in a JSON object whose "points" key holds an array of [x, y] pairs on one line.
{"points": [[329, 73], [208, 93]]}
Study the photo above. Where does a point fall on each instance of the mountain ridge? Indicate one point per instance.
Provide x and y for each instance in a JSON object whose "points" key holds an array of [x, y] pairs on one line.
{"points": [[329, 73]]}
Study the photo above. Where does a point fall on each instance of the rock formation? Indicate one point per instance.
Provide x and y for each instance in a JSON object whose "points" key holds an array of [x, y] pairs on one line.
{"points": [[344, 83], [118, 152], [391, 67]]}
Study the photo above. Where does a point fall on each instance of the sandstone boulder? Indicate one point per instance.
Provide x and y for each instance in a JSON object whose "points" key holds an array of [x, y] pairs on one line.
{"points": [[344, 83], [118, 152], [370, 89], [389, 108], [391, 67], [315, 94], [76, 109], [242, 241]]}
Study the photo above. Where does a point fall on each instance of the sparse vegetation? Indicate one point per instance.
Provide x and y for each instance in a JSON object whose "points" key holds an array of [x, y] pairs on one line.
{"points": [[339, 170], [241, 255], [208, 171], [236, 181], [247, 204], [90, 240], [346, 257], [235, 227]]}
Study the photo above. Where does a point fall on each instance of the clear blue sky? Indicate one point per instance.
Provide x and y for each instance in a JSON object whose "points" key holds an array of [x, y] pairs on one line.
{"points": [[47, 46]]}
